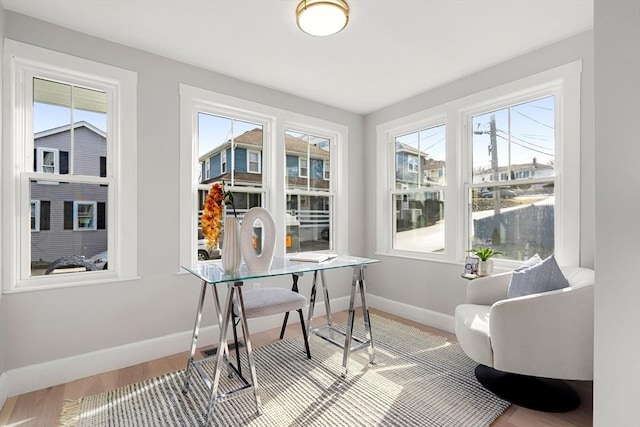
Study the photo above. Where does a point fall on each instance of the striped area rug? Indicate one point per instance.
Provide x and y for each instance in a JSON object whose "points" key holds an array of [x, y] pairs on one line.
{"points": [[420, 379]]}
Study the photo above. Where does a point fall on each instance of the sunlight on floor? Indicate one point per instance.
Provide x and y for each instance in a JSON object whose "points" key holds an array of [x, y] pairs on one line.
{"points": [[19, 423]]}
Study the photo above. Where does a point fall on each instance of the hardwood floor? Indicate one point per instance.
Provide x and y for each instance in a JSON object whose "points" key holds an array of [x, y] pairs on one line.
{"points": [[42, 408]]}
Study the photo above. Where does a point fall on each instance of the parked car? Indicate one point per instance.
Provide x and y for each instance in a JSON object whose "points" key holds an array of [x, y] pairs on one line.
{"points": [[504, 193], [100, 260], [204, 253]]}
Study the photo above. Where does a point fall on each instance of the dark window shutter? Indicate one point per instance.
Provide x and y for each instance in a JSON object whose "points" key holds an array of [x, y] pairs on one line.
{"points": [[103, 166], [102, 216], [68, 215], [35, 159], [45, 215], [64, 163]]}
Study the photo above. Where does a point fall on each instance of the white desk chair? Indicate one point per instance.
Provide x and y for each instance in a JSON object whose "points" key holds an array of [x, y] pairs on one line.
{"points": [[265, 302]]}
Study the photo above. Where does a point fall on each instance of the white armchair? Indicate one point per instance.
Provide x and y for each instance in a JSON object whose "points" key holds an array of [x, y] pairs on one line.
{"points": [[548, 335]]}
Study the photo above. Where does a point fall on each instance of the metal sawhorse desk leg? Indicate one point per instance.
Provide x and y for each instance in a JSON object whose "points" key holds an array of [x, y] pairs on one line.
{"points": [[222, 355], [357, 282]]}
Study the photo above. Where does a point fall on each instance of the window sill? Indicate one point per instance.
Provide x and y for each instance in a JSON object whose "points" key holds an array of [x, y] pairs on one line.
{"points": [[84, 283]]}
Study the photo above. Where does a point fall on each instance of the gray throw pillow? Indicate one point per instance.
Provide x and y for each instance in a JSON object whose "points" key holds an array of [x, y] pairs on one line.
{"points": [[542, 277], [535, 259]]}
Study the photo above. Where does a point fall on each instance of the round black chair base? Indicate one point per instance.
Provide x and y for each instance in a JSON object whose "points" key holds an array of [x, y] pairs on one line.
{"points": [[540, 394]]}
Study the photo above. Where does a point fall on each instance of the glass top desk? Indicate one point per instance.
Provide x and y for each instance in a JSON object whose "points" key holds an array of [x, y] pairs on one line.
{"points": [[212, 274]]}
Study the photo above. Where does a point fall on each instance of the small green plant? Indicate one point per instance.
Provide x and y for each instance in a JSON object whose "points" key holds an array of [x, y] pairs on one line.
{"points": [[484, 253]]}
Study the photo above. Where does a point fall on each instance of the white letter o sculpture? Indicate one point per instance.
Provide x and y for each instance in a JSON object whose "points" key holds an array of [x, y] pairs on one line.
{"points": [[258, 263]]}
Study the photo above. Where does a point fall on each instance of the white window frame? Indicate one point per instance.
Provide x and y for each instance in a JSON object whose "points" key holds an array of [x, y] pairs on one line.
{"points": [[430, 120], [258, 161], [36, 214], [326, 170], [23, 62], [564, 83], [76, 215], [40, 152], [193, 100], [303, 164], [331, 193]]}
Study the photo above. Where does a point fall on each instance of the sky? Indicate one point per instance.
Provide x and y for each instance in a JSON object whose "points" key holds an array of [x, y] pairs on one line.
{"points": [[523, 131]]}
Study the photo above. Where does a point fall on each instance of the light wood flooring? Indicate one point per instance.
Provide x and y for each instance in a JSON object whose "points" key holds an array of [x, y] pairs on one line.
{"points": [[42, 408]]}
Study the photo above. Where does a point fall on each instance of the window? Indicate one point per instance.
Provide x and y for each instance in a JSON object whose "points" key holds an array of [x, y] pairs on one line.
{"points": [[84, 215], [305, 208], [77, 113], [303, 167], [229, 147], [47, 160], [502, 188], [517, 144], [223, 162], [309, 196], [419, 189], [254, 164], [35, 215]]}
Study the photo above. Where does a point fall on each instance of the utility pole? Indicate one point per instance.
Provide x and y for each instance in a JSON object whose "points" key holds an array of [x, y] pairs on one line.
{"points": [[494, 163], [493, 151]]}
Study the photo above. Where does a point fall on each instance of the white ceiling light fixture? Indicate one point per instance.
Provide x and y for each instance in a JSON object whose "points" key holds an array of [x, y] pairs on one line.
{"points": [[322, 17]]}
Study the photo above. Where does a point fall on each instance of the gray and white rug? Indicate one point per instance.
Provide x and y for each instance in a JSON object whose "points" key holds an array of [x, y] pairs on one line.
{"points": [[420, 379]]}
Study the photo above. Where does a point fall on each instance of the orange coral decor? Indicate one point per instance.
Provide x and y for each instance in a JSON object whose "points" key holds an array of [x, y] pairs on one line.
{"points": [[211, 220]]}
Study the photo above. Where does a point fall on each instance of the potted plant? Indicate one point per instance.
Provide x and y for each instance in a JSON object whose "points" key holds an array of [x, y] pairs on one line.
{"points": [[485, 265]]}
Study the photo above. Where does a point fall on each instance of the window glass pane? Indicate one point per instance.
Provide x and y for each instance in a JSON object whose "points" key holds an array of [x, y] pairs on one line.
{"points": [[517, 142], [308, 220], [517, 220], [243, 201], [305, 161], [60, 147], [229, 151], [225, 143], [419, 219], [420, 158], [35, 211], [73, 227]]}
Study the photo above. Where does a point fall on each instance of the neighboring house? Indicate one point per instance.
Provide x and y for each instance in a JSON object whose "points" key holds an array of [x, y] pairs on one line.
{"points": [[305, 163], [414, 166], [68, 218], [307, 168], [515, 172]]}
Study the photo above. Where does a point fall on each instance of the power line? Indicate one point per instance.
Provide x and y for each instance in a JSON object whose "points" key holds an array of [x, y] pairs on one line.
{"points": [[522, 140], [532, 119], [523, 146]]}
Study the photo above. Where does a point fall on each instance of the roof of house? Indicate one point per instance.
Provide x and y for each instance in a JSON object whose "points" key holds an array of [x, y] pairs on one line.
{"points": [[65, 128], [254, 138]]}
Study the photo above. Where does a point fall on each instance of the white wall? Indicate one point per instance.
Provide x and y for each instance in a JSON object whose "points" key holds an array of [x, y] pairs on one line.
{"points": [[3, 388], [617, 149], [432, 289], [45, 331]]}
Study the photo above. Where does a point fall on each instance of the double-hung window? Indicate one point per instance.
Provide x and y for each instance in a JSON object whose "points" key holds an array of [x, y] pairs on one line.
{"points": [[513, 177], [512, 169], [67, 133], [418, 187], [309, 193], [286, 172]]}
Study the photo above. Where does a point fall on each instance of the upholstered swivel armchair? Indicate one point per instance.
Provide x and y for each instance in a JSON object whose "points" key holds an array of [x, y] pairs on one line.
{"points": [[548, 335]]}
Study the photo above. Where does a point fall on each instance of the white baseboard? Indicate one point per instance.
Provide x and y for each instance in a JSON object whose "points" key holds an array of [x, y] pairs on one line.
{"points": [[47, 374], [3, 389], [417, 314]]}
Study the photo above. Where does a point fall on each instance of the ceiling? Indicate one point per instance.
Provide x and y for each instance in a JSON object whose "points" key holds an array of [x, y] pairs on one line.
{"points": [[391, 50]]}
